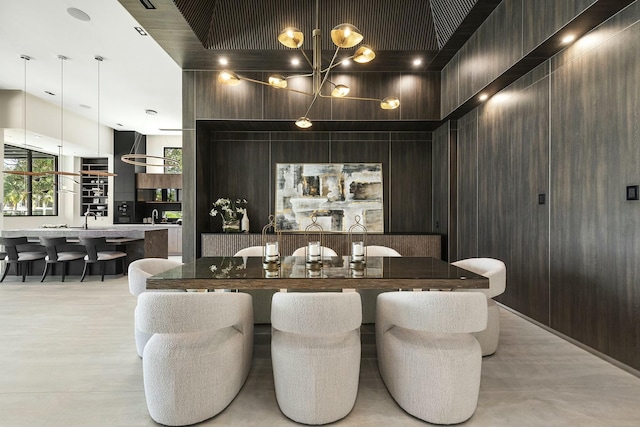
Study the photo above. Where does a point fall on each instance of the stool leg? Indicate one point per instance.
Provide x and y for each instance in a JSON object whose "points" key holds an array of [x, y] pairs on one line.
{"points": [[84, 271], [64, 270], [102, 271], [24, 270], [44, 273], [6, 270]]}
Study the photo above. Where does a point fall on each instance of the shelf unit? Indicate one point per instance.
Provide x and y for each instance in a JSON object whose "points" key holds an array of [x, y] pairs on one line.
{"points": [[95, 189]]}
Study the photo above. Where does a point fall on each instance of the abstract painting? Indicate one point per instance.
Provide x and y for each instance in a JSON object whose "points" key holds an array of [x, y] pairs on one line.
{"points": [[334, 192]]}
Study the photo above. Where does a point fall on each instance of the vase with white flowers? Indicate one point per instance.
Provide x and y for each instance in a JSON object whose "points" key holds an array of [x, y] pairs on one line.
{"points": [[230, 210]]}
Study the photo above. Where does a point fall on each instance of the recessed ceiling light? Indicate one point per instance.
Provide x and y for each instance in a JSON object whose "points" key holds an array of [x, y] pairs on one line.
{"points": [[417, 61], [141, 31], [483, 97], [85, 106], [78, 14], [223, 61], [568, 38], [346, 62], [295, 61], [151, 112]]}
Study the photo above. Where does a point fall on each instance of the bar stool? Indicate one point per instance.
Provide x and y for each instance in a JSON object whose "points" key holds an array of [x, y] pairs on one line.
{"points": [[51, 244], [94, 256], [22, 259]]}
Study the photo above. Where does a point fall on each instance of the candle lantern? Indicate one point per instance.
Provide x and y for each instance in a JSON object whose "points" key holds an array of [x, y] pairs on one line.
{"points": [[357, 241], [271, 243], [315, 243]]}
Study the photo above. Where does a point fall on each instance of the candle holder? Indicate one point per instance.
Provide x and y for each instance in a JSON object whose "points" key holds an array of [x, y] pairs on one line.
{"points": [[314, 236], [357, 241], [271, 245]]}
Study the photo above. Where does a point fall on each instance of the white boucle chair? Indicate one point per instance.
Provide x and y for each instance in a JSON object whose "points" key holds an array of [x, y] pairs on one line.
{"points": [[496, 272], [138, 272], [315, 351], [199, 355], [427, 357]]}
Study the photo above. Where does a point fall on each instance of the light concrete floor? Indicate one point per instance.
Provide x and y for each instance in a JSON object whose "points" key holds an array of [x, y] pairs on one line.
{"points": [[68, 358]]}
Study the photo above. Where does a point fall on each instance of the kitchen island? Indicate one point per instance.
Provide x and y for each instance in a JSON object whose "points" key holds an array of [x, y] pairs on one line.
{"points": [[138, 241]]}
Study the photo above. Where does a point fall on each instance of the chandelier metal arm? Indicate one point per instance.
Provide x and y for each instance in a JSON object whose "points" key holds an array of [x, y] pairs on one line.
{"points": [[331, 67], [352, 97], [280, 88], [295, 76], [306, 57]]}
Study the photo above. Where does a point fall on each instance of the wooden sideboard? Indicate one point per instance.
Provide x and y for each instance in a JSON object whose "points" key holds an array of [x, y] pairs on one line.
{"points": [[227, 244]]}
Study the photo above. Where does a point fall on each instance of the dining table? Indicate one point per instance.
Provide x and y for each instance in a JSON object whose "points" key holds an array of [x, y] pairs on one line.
{"points": [[334, 273]]}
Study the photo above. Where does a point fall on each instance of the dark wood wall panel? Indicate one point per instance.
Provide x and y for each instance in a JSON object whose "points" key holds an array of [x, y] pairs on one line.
{"points": [[468, 186], [410, 175], [449, 86], [190, 216], [366, 85], [569, 129], [542, 18], [287, 105], [595, 244], [492, 49], [419, 96], [440, 180], [229, 161], [214, 100], [513, 169]]}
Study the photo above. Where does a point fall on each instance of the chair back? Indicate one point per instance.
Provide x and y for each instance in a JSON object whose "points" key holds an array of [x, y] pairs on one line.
{"points": [[10, 246], [250, 251], [324, 251], [316, 313], [51, 245], [91, 245], [184, 312], [374, 250], [491, 268], [437, 312], [141, 269]]}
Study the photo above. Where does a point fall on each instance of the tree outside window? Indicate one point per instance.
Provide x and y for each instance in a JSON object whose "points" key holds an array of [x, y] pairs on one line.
{"points": [[26, 195], [174, 153]]}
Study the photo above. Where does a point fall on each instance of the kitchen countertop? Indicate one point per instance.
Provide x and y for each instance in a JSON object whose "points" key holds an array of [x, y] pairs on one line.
{"points": [[129, 231]]}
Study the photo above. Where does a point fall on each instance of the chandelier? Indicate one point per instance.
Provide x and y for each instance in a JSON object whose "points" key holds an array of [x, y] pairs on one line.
{"points": [[344, 36]]}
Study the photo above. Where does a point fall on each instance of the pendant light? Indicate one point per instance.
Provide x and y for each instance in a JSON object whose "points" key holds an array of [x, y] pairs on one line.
{"points": [[24, 173], [98, 59], [62, 173]]}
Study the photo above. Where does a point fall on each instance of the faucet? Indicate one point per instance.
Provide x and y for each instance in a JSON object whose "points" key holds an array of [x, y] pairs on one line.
{"points": [[87, 214], [154, 216]]}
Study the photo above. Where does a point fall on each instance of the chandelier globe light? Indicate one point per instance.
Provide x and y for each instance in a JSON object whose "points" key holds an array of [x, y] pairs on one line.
{"points": [[344, 36]]}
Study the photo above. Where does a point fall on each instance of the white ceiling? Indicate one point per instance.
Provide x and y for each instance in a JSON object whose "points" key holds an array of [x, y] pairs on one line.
{"points": [[136, 74]]}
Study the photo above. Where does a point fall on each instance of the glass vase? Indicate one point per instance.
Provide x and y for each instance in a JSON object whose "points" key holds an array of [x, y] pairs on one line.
{"points": [[231, 226]]}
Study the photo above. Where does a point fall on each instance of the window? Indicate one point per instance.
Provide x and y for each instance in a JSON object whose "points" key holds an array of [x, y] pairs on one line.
{"points": [[26, 195], [174, 153]]}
